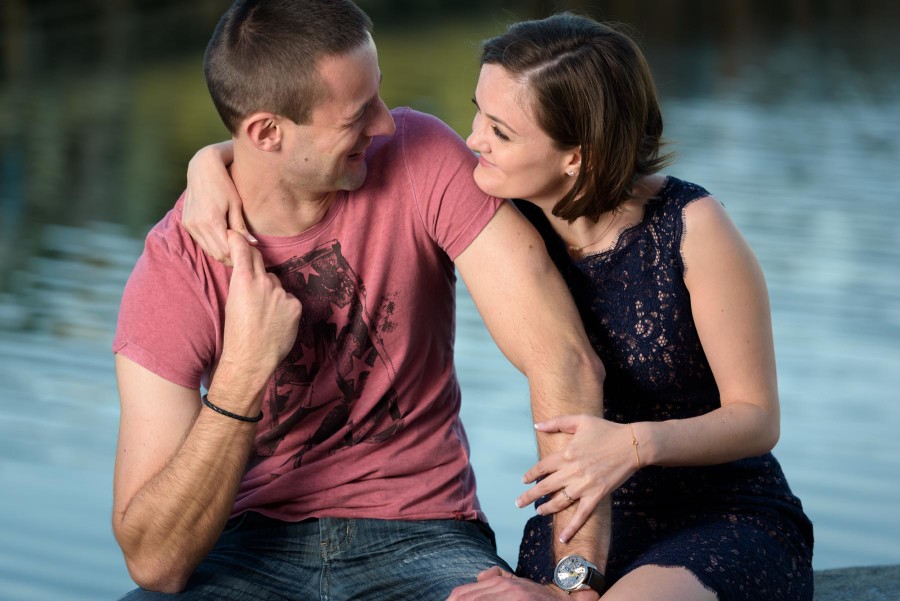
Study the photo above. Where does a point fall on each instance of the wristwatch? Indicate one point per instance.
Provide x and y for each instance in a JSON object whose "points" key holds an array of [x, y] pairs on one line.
{"points": [[575, 573]]}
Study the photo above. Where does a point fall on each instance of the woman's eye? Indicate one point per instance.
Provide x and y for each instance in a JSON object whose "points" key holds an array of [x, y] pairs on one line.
{"points": [[500, 134]]}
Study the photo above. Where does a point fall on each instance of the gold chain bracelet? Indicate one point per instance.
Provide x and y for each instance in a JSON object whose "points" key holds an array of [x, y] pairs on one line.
{"points": [[635, 443]]}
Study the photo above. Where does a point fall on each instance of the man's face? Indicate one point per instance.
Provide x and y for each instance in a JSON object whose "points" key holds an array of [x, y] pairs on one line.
{"points": [[328, 154]]}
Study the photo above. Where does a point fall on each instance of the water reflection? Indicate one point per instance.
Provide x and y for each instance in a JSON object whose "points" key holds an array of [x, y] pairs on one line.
{"points": [[786, 112]]}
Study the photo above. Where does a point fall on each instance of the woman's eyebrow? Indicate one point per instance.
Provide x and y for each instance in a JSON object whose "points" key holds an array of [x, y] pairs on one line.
{"points": [[493, 118]]}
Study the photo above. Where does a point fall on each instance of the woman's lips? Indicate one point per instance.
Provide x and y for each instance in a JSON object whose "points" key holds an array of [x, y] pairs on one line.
{"points": [[484, 162]]}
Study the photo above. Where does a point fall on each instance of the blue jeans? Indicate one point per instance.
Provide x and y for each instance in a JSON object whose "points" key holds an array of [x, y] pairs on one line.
{"points": [[259, 558]]}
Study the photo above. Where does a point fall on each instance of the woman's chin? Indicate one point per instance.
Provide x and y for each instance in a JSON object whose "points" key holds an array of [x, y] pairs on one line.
{"points": [[484, 183]]}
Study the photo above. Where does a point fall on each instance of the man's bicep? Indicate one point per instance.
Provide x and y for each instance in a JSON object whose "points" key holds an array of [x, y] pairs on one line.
{"points": [[155, 417], [517, 289]]}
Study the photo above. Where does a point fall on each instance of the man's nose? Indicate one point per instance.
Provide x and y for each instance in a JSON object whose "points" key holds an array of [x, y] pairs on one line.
{"points": [[383, 123]]}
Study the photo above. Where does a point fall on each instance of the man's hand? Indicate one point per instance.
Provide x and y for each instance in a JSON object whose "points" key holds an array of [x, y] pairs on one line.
{"points": [[261, 319], [496, 584]]}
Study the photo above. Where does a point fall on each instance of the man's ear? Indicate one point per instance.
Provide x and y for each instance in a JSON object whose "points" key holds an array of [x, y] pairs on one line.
{"points": [[263, 131]]}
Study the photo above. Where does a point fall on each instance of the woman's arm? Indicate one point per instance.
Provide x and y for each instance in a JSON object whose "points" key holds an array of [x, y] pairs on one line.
{"points": [[211, 202], [730, 307]]}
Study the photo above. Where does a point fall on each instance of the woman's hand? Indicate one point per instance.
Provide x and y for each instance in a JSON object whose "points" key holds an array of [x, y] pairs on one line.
{"points": [[211, 203], [599, 458]]}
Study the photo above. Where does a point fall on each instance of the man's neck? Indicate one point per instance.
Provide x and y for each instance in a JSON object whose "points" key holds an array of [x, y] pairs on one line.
{"points": [[273, 208]]}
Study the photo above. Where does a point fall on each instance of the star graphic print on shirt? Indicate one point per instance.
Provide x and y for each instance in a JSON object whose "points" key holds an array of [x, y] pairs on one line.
{"points": [[327, 370]]}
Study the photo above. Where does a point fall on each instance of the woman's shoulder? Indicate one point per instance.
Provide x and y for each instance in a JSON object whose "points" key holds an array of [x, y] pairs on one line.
{"points": [[680, 193]]}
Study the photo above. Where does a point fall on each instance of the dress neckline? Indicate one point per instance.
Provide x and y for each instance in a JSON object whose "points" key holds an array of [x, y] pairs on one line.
{"points": [[622, 236]]}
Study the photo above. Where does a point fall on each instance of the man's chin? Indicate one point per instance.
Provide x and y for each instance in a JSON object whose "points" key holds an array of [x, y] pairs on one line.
{"points": [[355, 180]]}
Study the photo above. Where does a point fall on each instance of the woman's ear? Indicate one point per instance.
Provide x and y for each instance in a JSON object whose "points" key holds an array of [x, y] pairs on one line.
{"points": [[572, 162], [263, 131]]}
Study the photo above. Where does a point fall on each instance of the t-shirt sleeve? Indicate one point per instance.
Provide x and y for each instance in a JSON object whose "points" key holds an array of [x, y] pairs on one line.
{"points": [[452, 208], [165, 321]]}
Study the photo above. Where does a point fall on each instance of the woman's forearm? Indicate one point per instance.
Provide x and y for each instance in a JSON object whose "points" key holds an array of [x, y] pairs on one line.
{"points": [[735, 431]]}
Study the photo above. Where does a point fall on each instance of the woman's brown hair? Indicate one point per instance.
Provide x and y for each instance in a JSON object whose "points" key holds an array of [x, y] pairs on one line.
{"points": [[591, 88]]}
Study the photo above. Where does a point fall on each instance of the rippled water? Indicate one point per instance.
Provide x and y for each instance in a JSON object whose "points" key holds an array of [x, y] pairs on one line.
{"points": [[809, 177]]}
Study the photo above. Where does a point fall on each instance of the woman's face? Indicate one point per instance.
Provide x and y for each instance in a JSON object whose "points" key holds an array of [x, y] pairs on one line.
{"points": [[516, 158]]}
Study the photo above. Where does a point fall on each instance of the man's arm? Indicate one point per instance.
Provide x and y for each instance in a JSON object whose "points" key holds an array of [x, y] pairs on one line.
{"points": [[178, 466], [177, 472], [530, 314]]}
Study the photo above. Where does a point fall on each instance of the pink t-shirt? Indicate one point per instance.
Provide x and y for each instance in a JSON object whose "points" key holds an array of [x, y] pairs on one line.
{"points": [[362, 417]]}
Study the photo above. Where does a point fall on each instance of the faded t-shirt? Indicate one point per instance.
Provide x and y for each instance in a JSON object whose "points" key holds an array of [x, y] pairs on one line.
{"points": [[362, 417]]}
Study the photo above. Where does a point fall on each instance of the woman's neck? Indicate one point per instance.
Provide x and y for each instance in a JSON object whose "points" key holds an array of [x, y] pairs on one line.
{"points": [[585, 236]]}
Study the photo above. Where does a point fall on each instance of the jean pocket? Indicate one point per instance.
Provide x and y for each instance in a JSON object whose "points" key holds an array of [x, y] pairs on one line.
{"points": [[236, 522]]}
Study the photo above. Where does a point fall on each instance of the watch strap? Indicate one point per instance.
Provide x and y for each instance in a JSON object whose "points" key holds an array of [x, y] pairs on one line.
{"points": [[595, 580]]}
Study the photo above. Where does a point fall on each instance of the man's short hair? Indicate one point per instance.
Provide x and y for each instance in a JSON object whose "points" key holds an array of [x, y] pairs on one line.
{"points": [[264, 54]]}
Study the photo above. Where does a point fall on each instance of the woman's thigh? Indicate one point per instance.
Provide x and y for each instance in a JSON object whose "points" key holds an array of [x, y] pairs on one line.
{"points": [[657, 583]]}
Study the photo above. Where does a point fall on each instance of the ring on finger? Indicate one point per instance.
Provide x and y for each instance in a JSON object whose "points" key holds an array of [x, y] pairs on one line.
{"points": [[566, 495]]}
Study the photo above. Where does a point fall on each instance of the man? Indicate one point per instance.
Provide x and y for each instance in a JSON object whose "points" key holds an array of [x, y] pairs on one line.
{"points": [[328, 459]]}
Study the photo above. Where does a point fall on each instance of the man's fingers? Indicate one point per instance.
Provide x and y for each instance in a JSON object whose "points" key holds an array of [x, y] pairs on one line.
{"points": [[494, 572], [240, 252]]}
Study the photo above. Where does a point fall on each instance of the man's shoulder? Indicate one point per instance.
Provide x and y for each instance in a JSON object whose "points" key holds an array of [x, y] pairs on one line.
{"points": [[424, 142], [412, 123], [169, 238], [171, 255]]}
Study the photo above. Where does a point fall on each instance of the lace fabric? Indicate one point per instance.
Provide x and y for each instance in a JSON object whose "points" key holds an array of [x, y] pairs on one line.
{"points": [[736, 526]]}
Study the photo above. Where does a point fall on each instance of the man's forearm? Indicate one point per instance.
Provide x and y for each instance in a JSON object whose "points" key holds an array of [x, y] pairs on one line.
{"points": [[532, 317], [174, 520], [572, 383]]}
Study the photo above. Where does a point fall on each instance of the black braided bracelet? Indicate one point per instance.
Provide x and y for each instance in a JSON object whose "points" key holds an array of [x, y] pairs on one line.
{"points": [[226, 413]]}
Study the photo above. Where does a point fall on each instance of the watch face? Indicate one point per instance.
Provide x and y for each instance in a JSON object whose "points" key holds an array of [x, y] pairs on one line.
{"points": [[570, 572]]}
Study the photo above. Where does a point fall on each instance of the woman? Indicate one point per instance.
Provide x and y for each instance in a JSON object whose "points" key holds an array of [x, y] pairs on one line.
{"points": [[676, 306]]}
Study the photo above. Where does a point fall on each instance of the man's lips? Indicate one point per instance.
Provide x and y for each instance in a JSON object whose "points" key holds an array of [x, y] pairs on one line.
{"points": [[359, 153]]}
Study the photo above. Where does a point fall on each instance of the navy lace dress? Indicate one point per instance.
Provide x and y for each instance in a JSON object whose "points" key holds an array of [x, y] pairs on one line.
{"points": [[736, 526]]}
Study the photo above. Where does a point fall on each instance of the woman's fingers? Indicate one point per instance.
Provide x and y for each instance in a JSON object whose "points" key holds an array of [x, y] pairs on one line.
{"points": [[547, 465], [216, 234], [564, 423], [540, 474], [548, 486], [579, 518], [236, 221], [210, 234], [558, 502]]}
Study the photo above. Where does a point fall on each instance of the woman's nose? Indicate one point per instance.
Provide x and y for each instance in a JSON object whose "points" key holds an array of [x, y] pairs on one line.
{"points": [[475, 141]]}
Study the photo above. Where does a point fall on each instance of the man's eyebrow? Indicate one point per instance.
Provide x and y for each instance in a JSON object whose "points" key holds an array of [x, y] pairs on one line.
{"points": [[493, 118]]}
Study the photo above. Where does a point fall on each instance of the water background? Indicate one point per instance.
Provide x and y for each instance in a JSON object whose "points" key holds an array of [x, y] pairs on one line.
{"points": [[789, 112]]}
